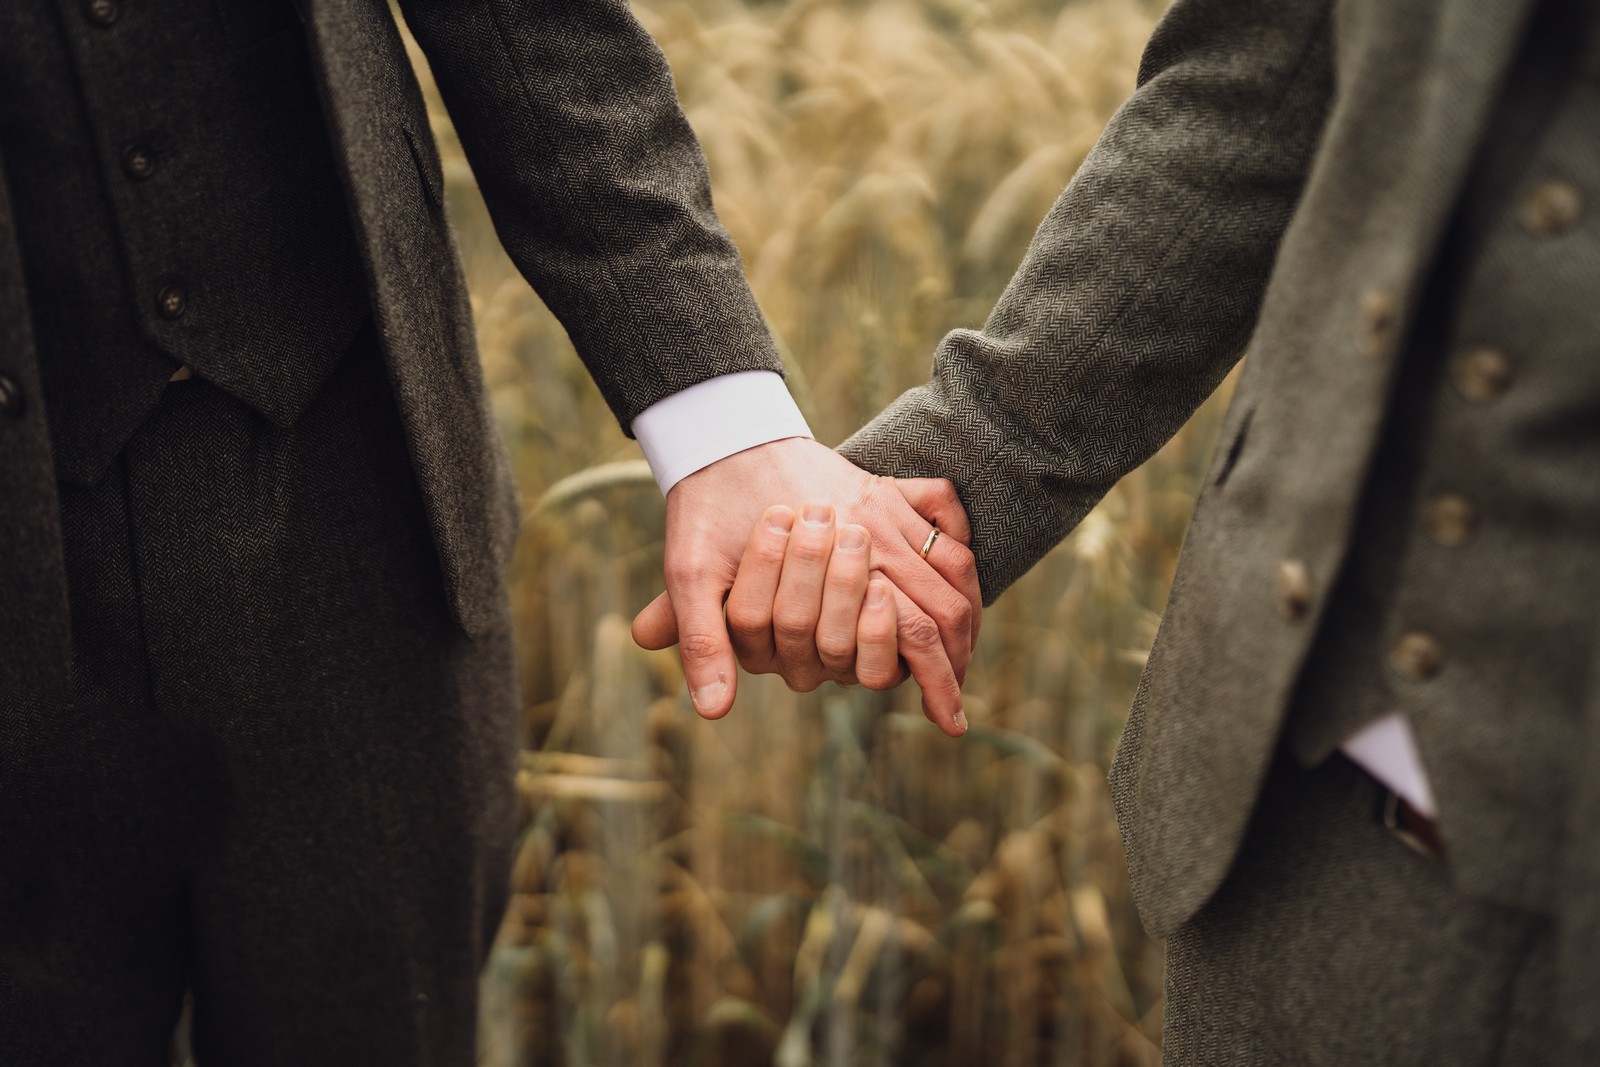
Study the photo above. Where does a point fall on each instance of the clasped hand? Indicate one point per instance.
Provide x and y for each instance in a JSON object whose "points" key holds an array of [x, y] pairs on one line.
{"points": [[837, 589]]}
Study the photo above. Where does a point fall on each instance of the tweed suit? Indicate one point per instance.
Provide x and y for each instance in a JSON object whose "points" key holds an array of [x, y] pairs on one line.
{"points": [[1284, 184], [257, 704]]}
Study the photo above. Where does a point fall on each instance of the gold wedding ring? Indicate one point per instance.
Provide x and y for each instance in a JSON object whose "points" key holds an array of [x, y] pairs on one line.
{"points": [[927, 546]]}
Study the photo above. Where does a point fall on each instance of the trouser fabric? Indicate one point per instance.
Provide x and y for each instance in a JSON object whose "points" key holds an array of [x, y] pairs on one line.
{"points": [[285, 778]]}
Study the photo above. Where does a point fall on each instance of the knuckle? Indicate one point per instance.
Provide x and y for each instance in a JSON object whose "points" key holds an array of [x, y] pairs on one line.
{"points": [[920, 632], [744, 621], [836, 650], [699, 647], [802, 682], [685, 567], [846, 582], [793, 630], [877, 676], [807, 550]]}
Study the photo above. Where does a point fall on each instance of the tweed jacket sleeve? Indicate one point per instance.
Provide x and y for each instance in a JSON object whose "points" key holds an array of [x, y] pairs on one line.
{"points": [[597, 187], [1139, 289]]}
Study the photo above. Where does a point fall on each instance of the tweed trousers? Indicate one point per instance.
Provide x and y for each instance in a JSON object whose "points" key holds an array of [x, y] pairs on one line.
{"points": [[1332, 942], [284, 781]]}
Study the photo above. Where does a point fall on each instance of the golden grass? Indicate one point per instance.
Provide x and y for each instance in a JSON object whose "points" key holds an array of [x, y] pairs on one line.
{"points": [[825, 879]]}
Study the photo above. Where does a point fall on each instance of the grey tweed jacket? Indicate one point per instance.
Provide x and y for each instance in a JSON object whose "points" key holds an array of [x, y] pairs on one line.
{"points": [[599, 192], [1278, 185]]}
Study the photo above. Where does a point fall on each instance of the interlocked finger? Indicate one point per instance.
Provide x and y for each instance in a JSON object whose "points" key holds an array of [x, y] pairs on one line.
{"points": [[749, 607], [842, 593], [797, 607]]}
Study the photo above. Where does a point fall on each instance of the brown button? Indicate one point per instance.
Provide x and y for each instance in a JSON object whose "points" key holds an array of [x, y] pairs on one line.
{"points": [[1451, 520], [1481, 374], [1378, 321], [172, 302], [138, 162], [1416, 656], [10, 398], [1551, 209], [1292, 583], [102, 12]]}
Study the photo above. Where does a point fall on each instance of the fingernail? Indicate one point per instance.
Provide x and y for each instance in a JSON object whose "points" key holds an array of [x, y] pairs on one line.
{"points": [[961, 721], [877, 594], [780, 520], [817, 514], [852, 539], [710, 696]]}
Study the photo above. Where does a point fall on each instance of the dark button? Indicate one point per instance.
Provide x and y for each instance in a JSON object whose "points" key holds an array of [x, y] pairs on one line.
{"points": [[1451, 520], [1292, 584], [138, 162], [10, 398], [1378, 320], [1551, 209], [1481, 374], [172, 302], [1416, 656], [102, 12]]}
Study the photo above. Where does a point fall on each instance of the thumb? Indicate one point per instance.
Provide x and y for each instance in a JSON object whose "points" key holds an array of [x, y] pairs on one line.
{"points": [[935, 499], [656, 627], [709, 667]]}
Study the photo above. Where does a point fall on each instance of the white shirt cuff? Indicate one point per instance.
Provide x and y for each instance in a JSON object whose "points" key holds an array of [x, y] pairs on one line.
{"points": [[714, 419]]}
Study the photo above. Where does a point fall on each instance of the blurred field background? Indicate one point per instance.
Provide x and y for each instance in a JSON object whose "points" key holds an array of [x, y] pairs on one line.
{"points": [[824, 878]]}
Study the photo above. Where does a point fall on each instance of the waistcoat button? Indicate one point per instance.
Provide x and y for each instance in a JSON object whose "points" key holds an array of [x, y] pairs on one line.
{"points": [[102, 12], [1417, 657], [138, 162], [1481, 374], [1292, 583], [1551, 209], [1378, 320], [1451, 520], [171, 302], [10, 398]]}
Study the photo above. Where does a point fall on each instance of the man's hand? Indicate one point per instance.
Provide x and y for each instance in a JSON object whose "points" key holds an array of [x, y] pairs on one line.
{"points": [[710, 516]]}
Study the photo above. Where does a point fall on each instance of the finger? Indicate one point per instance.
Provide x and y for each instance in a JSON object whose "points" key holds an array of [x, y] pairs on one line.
{"points": [[877, 644], [936, 500], [952, 610], [710, 670], [954, 562], [797, 607], [922, 647], [749, 607], [656, 627], [842, 592]]}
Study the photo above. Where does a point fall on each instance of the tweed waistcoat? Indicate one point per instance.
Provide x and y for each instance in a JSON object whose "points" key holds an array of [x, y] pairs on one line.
{"points": [[1479, 537], [177, 201]]}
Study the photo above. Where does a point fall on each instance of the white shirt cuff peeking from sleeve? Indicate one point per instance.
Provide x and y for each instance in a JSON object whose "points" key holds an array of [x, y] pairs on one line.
{"points": [[714, 419]]}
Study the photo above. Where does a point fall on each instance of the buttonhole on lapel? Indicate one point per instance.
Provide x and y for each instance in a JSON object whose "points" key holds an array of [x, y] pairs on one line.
{"points": [[1234, 447], [430, 172]]}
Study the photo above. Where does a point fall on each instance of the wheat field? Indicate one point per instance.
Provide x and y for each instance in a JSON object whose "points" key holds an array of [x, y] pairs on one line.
{"points": [[824, 878]]}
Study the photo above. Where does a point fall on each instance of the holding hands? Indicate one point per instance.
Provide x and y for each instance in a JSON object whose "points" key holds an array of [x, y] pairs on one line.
{"points": [[839, 589]]}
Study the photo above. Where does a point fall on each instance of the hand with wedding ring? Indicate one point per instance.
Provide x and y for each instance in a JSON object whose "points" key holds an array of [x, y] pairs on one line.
{"points": [[870, 580]]}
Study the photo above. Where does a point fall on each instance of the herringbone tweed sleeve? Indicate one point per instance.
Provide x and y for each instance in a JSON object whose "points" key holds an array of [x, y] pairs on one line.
{"points": [[1138, 291], [597, 187]]}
